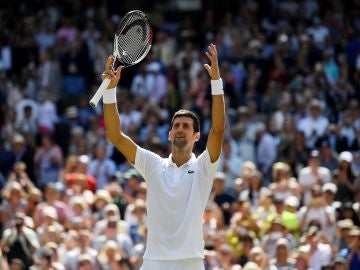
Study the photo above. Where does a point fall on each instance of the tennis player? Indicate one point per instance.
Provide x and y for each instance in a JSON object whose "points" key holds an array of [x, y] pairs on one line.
{"points": [[178, 186]]}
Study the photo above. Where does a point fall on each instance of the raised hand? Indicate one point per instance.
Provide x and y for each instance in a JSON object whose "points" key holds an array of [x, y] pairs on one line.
{"points": [[212, 69], [114, 76]]}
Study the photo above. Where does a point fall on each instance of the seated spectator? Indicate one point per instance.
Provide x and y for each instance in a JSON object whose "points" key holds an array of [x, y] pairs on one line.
{"points": [[313, 174], [83, 247], [13, 195], [51, 200], [284, 185], [276, 231], [289, 216], [302, 258], [317, 209], [109, 255], [320, 252], [20, 241], [259, 256], [352, 253], [346, 178], [282, 256], [221, 197]]}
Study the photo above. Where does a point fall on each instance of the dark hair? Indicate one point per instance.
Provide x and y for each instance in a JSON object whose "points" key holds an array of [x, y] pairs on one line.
{"points": [[125, 262], [190, 114]]}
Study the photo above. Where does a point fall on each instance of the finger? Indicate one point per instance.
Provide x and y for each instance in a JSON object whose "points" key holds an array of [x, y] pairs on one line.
{"points": [[208, 55], [118, 72], [213, 49], [207, 67], [109, 62]]}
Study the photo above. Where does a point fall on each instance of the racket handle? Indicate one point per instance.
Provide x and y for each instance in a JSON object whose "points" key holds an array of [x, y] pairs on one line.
{"points": [[99, 93]]}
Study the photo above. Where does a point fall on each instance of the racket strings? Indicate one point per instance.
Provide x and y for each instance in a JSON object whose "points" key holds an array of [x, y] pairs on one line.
{"points": [[134, 40]]}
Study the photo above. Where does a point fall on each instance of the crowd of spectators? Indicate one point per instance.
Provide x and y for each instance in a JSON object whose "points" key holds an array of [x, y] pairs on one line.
{"points": [[287, 191]]}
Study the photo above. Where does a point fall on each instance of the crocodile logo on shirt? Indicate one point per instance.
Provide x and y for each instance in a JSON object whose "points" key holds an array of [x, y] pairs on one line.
{"points": [[190, 171]]}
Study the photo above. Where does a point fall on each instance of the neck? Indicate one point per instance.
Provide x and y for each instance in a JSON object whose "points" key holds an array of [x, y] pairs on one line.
{"points": [[180, 157]]}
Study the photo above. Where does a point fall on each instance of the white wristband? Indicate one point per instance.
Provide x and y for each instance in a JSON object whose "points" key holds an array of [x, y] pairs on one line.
{"points": [[109, 96], [217, 87]]}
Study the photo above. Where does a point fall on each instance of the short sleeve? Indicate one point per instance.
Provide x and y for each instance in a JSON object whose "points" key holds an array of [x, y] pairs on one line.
{"points": [[146, 161]]}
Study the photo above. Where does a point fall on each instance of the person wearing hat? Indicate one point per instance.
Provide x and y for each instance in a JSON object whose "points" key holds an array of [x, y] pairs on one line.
{"points": [[49, 219], [317, 210], [314, 125], [102, 198], [131, 184], [179, 186], [313, 174], [83, 247], [289, 216], [284, 184], [25, 153], [343, 227], [276, 231], [20, 241], [282, 257], [346, 178], [85, 262], [259, 256], [352, 253], [221, 197], [329, 191], [320, 252], [109, 254], [302, 258], [339, 263], [111, 211]]}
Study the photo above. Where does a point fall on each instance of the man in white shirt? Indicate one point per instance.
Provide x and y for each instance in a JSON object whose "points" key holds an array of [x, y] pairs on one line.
{"points": [[320, 252], [178, 187], [313, 174], [314, 125]]}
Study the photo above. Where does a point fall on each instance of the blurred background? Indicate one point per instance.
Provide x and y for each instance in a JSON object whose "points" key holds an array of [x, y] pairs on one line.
{"points": [[287, 193]]}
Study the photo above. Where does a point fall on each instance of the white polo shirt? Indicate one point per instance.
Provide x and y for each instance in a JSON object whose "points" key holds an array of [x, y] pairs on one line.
{"points": [[176, 200]]}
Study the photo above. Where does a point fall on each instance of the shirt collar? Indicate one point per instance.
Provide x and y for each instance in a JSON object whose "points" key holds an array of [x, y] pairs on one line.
{"points": [[191, 159]]}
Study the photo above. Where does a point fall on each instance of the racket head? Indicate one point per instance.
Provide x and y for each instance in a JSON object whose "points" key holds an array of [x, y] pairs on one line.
{"points": [[133, 38]]}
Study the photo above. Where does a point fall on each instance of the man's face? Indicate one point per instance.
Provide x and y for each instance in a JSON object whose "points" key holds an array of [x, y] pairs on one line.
{"points": [[182, 132]]}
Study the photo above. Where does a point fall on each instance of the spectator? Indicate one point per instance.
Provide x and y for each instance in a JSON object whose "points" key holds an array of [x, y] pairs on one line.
{"points": [[101, 167], [48, 161], [346, 178], [229, 164], [314, 125], [313, 174], [265, 150], [282, 258], [221, 197], [20, 241], [317, 209], [320, 253], [287, 69]]}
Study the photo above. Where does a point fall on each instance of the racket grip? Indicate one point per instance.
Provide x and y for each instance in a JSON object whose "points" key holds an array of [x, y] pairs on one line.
{"points": [[99, 93]]}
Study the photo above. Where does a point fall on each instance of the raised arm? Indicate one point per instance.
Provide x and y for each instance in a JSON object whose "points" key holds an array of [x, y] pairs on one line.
{"points": [[216, 134], [113, 128]]}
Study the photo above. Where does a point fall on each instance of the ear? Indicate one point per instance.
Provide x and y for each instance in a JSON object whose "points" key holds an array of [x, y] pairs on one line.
{"points": [[197, 136], [169, 137]]}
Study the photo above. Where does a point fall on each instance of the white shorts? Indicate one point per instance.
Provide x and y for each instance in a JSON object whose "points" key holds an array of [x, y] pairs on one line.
{"points": [[184, 264]]}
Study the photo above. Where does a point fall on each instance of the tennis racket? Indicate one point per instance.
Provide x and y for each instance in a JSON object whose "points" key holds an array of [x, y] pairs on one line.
{"points": [[132, 42]]}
